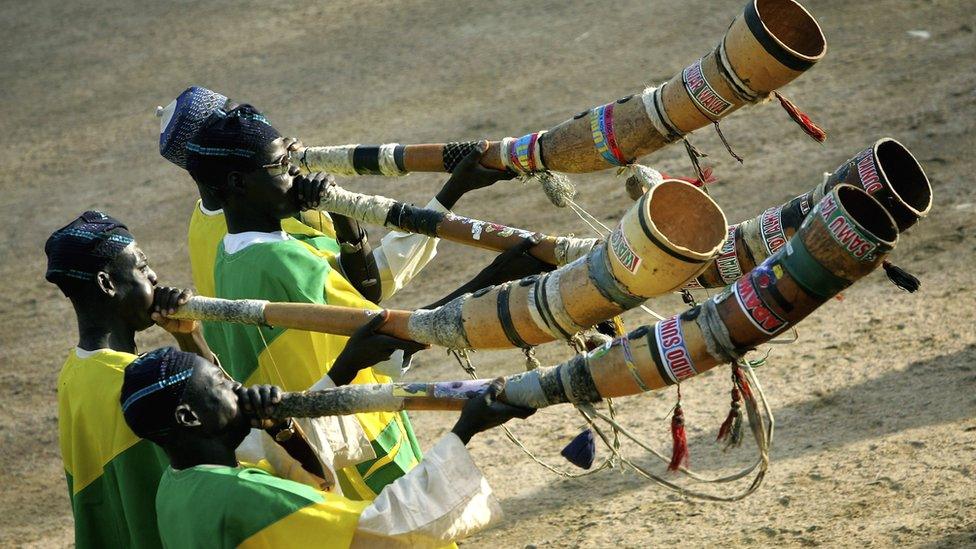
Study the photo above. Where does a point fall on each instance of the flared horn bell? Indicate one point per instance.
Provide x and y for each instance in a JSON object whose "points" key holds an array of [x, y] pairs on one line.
{"points": [[889, 172]]}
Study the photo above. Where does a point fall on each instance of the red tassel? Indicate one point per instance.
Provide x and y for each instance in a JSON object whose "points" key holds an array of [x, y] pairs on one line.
{"points": [[706, 178], [679, 451], [734, 411], [801, 118], [743, 384]]}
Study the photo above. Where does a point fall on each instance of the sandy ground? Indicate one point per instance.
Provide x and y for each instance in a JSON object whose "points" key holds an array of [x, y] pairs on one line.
{"points": [[875, 404]]}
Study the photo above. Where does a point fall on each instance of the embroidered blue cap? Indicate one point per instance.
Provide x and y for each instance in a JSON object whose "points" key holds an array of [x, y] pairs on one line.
{"points": [[182, 119], [152, 387], [77, 251]]}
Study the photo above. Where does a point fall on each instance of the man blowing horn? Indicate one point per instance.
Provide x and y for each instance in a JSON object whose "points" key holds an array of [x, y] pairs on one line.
{"points": [[199, 416], [112, 474]]}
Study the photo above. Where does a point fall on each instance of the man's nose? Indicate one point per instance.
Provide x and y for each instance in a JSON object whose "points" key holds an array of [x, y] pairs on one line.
{"points": [[152, 277]]}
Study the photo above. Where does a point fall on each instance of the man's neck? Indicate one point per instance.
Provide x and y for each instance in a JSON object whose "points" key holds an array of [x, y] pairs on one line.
{"points": [[104, 330], [212, 451], [209, 202], [241, 220]]}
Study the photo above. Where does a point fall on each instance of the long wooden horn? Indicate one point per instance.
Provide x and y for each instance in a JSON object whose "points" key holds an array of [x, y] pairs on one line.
{"points": [[768, 45], [846, 237], [386, 212], [663, 241]]}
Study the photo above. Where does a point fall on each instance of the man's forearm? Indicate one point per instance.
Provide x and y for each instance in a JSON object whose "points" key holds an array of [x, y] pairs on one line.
{"points": [[194, 342], [449, 196]]}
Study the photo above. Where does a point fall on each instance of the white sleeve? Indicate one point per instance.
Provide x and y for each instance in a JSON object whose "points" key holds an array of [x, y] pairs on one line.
{"points": [[443, 499], [340, 438], [401, 256], [258, 446]]}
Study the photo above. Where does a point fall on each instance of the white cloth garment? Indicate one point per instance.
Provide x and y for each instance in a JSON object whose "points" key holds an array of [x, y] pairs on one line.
{"points": [[444, 498], [401, 256], [235, 242]]}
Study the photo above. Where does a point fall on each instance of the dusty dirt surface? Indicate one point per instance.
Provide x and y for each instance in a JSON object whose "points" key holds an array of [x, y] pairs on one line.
{"points": [[875, 404]]}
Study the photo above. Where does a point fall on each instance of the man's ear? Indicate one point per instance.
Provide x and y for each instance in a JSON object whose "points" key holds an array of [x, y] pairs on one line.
{"points": [[105, 283], [186, 417], [235, 183]]}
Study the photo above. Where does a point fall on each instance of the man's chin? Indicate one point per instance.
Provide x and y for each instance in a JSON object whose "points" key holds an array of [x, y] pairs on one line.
{"points": [[237, 432], [289, 211], [144, 323]]}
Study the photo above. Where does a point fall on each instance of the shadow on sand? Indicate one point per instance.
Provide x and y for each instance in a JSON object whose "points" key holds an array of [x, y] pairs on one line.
{"points": [[928, 392]]}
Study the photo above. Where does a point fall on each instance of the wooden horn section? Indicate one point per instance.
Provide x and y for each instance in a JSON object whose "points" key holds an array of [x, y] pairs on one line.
{"points": [[665, 239], [387, 397], [386, 212], [886, 170], [846, 237], [768, 45], [889, 172], [312, 317]]}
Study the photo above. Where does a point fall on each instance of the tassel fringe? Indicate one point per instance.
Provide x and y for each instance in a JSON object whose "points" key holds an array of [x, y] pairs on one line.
{"points": [[731, 429], [900, 277], [801, 118], [558, 188], [679, 450]]}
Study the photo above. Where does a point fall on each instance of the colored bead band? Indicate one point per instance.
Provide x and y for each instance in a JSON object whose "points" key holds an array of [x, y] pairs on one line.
{"points": [[523, 154], [604, 137]]}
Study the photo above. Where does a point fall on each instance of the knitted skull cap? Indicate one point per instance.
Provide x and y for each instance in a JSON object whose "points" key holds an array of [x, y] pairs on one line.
{"points": [[182, 118]]}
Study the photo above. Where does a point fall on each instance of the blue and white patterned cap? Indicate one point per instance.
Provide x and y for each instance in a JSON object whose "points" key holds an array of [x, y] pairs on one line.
{"points": [[182, 119], [152, 388], [82, 248]]}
